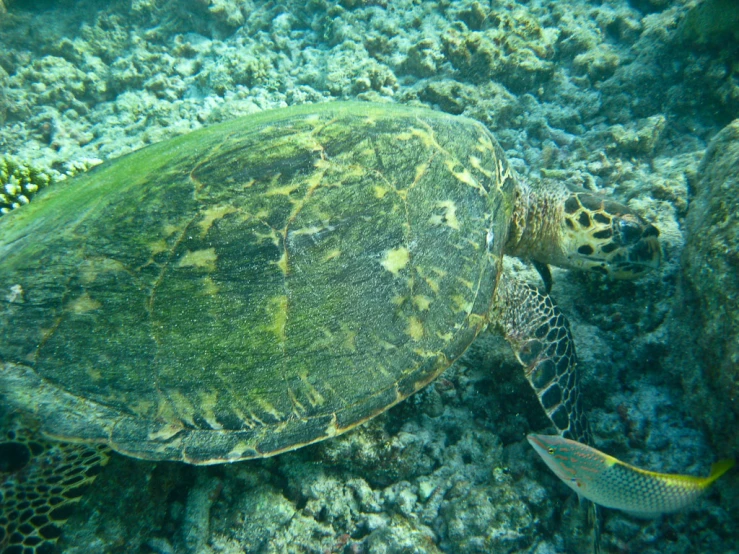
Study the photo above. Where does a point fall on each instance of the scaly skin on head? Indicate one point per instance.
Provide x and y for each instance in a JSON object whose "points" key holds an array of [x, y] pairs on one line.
{"points": [[577, 229]]}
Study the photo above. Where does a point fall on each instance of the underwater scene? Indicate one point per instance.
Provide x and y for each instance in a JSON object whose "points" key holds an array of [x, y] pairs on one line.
{"points": [[369, 276]]}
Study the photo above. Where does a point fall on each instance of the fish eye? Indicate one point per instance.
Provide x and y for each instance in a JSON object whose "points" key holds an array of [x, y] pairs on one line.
{"points": [[551, 450]]}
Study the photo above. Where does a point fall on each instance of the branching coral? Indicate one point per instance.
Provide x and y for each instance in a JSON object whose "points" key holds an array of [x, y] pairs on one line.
{"points": [[19, 182]]}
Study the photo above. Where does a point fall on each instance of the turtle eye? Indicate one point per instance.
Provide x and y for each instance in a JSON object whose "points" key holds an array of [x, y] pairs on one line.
{"points": [[630, 232], [551, 451]]}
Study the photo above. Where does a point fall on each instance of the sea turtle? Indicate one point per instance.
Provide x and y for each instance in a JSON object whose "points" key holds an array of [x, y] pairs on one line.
{"points": [[276, 280]]}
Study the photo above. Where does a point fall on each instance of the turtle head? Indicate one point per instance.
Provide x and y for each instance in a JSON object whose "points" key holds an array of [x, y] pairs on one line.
{"points": [[606, 236], [577, 229]]}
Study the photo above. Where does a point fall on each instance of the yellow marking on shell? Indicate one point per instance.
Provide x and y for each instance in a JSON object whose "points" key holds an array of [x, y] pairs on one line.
{"points": [[312, 230], [425, 353], [277, 311], [421, 170], [332, 254], [90, 269], [314, 396], [282, 262], [241, 416], [298, 408], [484, 144], [169, 229], [332, 429], [396, 259], [382, 369], [415, 328], [211, 215], [467, 284], [15, 295], [387, 346], [158, 246], [354, 171], [165, 411], [461, 304], [83, 304], [477, 164], [427, 138], [433, 284], [209, 287], [205, 258], [449, 218], [503, 174], [477, 320], [421, 302], [142, 407], [314, 179], [271, 236], [165, 432], [183, 407], [349, 342], [268, 408], [380, 192], [94, 373], [446, 337], [253, 420], [285, 190], [208, 402], [463, 176]]}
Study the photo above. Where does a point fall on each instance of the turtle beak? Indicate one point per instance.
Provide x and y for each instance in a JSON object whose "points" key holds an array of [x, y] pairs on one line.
{"points": [[640, 243]]}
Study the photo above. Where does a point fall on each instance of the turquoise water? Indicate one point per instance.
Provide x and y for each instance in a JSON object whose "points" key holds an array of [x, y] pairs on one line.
{"points": [[618, 97]]}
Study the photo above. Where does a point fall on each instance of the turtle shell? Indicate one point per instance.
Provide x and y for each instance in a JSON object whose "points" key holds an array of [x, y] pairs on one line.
{"points": [[254, 286]]}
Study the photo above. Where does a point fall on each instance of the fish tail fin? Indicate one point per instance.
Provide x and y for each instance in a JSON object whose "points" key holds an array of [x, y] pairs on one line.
{"points": [[718, 469]]}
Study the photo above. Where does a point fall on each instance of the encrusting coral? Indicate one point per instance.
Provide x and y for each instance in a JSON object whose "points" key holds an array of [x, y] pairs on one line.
{"points": [[19, 183]]}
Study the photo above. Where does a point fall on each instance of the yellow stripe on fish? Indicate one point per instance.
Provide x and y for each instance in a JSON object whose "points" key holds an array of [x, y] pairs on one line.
{"points": [[612, 483]]}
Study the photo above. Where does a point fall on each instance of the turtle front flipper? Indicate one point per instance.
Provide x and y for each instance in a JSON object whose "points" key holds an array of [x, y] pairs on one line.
{"points": [[40, 483], [539, 334], [540, 337]]}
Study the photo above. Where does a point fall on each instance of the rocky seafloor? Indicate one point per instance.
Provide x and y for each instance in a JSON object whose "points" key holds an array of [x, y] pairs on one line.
{"points": [[617, 96]]}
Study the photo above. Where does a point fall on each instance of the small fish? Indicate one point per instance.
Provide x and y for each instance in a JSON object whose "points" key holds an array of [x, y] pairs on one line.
{"points": [[614, 484]]}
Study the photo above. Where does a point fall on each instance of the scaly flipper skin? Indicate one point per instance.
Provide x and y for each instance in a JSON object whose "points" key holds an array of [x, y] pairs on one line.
{"points": [[40, 483], [540, 337]]}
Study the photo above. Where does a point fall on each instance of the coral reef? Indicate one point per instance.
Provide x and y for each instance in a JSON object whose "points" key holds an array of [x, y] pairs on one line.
{"points": [[19, 183]]}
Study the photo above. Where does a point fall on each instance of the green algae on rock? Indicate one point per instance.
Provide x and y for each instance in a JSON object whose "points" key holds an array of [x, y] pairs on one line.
{"points": [[711, 271]]}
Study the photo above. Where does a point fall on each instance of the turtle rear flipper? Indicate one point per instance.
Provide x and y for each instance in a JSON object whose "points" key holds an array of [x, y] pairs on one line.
{"points": [[40, 483]]}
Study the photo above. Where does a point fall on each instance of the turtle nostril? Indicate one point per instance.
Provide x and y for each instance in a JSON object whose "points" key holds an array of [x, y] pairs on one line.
{"points": [[650, 231]]}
